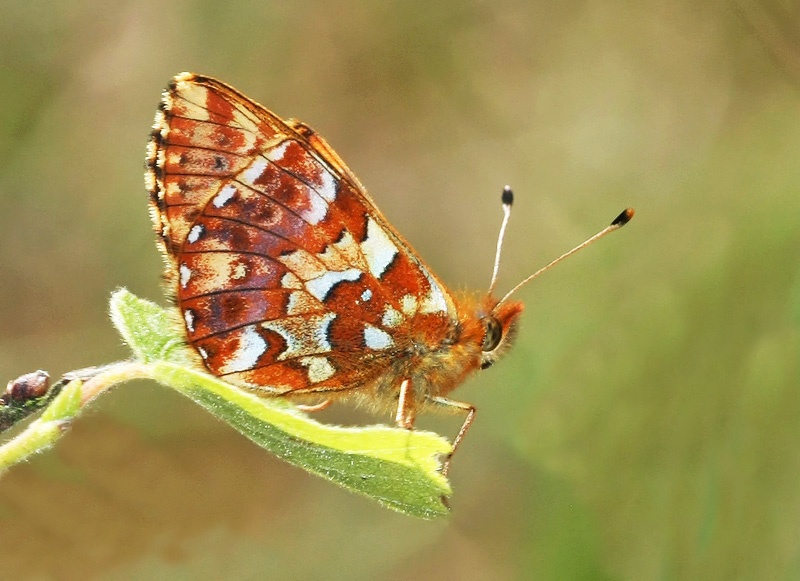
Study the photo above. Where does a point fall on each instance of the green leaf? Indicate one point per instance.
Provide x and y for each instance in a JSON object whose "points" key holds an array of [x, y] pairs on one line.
{"points": [[398, 468], [152, 332]]}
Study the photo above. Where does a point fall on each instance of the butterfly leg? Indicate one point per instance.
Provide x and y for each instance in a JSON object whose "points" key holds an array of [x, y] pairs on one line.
{"points": [[455, 406], [316, 407], [406, 408]]}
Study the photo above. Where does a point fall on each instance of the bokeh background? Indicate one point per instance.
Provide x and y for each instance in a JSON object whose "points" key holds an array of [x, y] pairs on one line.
{"points": [[646, 424]]}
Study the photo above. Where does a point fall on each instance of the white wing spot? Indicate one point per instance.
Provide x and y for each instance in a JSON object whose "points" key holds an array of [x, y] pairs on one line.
{"points": [[239, 271], [203, 353], [434, 301], [188, 317], [255, 171], [375, 338], [251, 347], [321, 331], [409, 305], [319, 368], [186, 274], [277, 153], [317, 209], [391, 317], [378, 249], [321, 286], [224, 196], [328, 186], [366, 295], [195, 233]]}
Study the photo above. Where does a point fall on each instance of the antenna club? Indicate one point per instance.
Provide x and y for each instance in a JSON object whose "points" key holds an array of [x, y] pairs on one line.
{"points": [[623, 218], [508, 196]]}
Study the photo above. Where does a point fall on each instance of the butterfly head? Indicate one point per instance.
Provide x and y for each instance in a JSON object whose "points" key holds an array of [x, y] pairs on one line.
{"points": [[499, 326]]}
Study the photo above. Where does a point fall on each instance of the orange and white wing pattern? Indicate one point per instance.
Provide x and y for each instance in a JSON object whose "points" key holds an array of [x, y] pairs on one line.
{"points": [[288, 277]]}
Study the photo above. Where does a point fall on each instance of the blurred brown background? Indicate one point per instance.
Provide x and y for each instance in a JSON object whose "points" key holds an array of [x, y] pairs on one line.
{"points": [[646, 424]]}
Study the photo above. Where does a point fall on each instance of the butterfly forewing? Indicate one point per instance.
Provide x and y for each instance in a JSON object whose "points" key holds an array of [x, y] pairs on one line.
{"points": [[287, 276]]}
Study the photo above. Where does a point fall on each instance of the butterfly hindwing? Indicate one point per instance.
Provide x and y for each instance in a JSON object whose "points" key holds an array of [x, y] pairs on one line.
{"points": [[288, 277]]}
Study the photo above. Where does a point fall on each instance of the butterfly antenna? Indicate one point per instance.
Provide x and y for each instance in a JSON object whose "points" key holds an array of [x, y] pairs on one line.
{"points": [[618, 223], [507, 199]]}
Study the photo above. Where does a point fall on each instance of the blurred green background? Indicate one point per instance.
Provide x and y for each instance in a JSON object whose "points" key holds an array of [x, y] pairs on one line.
{"points": [[646, 424]]}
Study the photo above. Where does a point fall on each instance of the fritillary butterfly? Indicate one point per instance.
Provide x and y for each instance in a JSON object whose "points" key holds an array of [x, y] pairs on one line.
{"points": [[289, 279]]}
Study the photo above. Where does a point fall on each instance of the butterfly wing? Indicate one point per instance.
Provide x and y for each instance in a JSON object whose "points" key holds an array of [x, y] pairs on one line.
{"points": [[288, 277]]}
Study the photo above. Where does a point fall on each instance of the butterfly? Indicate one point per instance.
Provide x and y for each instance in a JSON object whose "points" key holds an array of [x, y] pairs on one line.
{"points": [[290, 281]]}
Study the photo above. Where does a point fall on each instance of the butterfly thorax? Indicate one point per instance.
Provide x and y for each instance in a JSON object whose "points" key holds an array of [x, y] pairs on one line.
{"points": [[436, 361]]}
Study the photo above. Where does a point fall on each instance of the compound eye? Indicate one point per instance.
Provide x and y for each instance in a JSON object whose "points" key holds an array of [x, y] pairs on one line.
{"points": [[492, 335]]}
